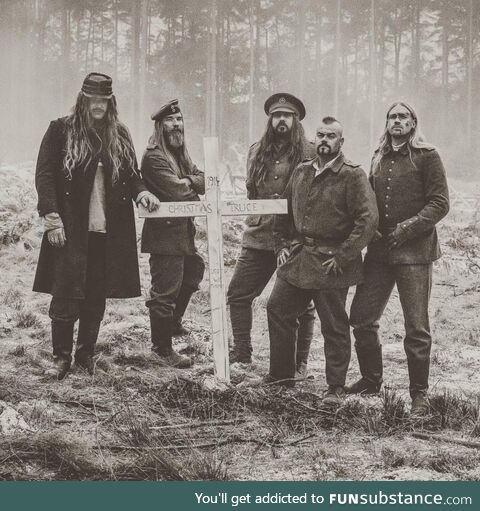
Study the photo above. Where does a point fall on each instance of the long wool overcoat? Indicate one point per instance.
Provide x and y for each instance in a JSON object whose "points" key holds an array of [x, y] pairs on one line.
{"points": [[61, 272]]}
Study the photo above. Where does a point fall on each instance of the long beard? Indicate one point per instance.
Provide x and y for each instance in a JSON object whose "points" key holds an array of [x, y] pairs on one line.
{"points": [[175, 139]]}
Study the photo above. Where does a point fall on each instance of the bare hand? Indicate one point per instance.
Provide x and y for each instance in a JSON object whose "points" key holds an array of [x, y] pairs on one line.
{"points": [[185, 181], [282, 256], [56, 237], [332, 266], [150, 202]]}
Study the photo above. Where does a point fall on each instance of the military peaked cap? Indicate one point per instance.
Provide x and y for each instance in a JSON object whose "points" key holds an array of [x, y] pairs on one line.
{"points": [[97, 84], [283, 102], [169, 109]]}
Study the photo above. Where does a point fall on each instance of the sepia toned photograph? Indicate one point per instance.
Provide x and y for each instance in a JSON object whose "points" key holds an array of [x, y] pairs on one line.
{"points": [[239, 240]]}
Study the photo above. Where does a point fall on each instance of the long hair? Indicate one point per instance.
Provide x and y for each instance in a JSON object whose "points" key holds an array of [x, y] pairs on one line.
{"points": [[116, 141], [184, 162], [415, 139], [297, 149]]}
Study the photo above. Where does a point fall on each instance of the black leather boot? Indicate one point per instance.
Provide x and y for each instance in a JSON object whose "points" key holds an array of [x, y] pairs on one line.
{"points": [[87, 338], [371, 369], [161, 334], [62, 341], [181, 304], [241, 352]]}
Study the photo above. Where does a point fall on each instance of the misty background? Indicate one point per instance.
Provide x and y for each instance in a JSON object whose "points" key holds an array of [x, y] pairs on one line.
{"points": [[223, 58]]}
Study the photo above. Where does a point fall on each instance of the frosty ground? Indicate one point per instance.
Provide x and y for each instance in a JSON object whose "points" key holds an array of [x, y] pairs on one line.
{"points": [[136, 420]]}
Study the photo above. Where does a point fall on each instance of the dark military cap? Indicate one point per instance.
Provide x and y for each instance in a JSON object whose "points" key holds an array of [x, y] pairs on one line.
{"points": [[169, 109], [283, 102], [97, 84]]}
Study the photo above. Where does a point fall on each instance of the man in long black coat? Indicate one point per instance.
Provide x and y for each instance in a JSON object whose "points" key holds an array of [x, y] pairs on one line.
{"points": [[86, 178], [175, 265]]}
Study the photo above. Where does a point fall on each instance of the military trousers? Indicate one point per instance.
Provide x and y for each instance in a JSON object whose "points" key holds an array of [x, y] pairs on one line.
{"points": [[253, 270], [171, 276], [284, 306], [414, 283]]}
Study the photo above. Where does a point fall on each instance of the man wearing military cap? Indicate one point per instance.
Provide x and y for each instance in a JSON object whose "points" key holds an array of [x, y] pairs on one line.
{"points": [[270, 163], [332, 215], [176, 267], [86, 178]]}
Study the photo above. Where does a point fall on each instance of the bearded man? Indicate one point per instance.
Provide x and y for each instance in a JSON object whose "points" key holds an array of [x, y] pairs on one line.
{"points": [[270, 163], [410, 185], [332, 216], [86, 178], [176, 267]]}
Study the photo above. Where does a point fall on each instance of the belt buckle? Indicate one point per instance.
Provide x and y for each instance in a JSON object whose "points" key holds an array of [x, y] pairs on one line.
{"points": [[309, 242]]}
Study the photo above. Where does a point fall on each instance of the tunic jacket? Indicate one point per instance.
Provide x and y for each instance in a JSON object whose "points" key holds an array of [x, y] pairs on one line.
{"points": [[411, 191], [169, 236], [332, 214]]}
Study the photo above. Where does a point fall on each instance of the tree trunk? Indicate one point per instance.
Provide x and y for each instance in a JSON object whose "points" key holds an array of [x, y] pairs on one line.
{"points": [[336, 64], [142, 116], [301, 29], [115, 41], [372, 72], [251, 92], [469, 74]]}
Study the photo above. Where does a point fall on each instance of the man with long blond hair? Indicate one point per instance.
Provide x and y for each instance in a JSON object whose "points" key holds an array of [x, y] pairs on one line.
{"points": [[175, 265], [86, 178], [410, 185], [270, 163]]}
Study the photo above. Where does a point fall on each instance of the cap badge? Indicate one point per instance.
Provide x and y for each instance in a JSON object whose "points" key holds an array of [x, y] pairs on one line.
{"points": [[282, 100], [172, 108]]}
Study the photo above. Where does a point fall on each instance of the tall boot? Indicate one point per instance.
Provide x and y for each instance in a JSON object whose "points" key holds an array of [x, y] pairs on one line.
{"points": [[87, 338], [304, 341], [62, 341], [241, 319], [181, 304], [161, 334], [371, 369]]}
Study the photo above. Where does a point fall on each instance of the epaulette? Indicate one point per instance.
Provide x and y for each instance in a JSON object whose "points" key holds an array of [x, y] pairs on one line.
{"points": [[308, 161], [350, 164]]}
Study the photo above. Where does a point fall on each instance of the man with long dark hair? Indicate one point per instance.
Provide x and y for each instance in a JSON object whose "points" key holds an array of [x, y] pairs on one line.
{"points": [[331, 217], [409, 181], [176, 267], [86, 178], [270, 164]]}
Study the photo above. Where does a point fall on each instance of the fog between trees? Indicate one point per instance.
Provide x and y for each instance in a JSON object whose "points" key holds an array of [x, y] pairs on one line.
{"points": [[223, 58]]}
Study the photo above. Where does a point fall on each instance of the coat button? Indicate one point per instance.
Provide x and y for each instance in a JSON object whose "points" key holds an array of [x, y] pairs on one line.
{"points": [[389, 178], [67, 193], [389, 170], [388, 188], [386, 205], [387, 197], [393, 161], [168, 222], [329, 251], [386, 214], [123, 183], [277, 161], [275, 177], [124, 198]]}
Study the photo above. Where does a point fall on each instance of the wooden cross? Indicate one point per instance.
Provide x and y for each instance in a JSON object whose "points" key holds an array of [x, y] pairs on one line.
{"points": [[214, 208]]}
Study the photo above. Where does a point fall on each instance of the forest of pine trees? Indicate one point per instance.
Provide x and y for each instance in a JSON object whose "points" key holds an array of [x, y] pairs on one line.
{"points": [[222, 58]]}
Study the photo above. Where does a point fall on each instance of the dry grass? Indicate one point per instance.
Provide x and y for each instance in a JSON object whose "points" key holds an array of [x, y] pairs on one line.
{"points": [[134, 419]]}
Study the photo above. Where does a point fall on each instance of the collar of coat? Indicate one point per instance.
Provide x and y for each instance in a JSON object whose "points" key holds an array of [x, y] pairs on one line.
{"points": [[403, 149], [334, 165]]}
